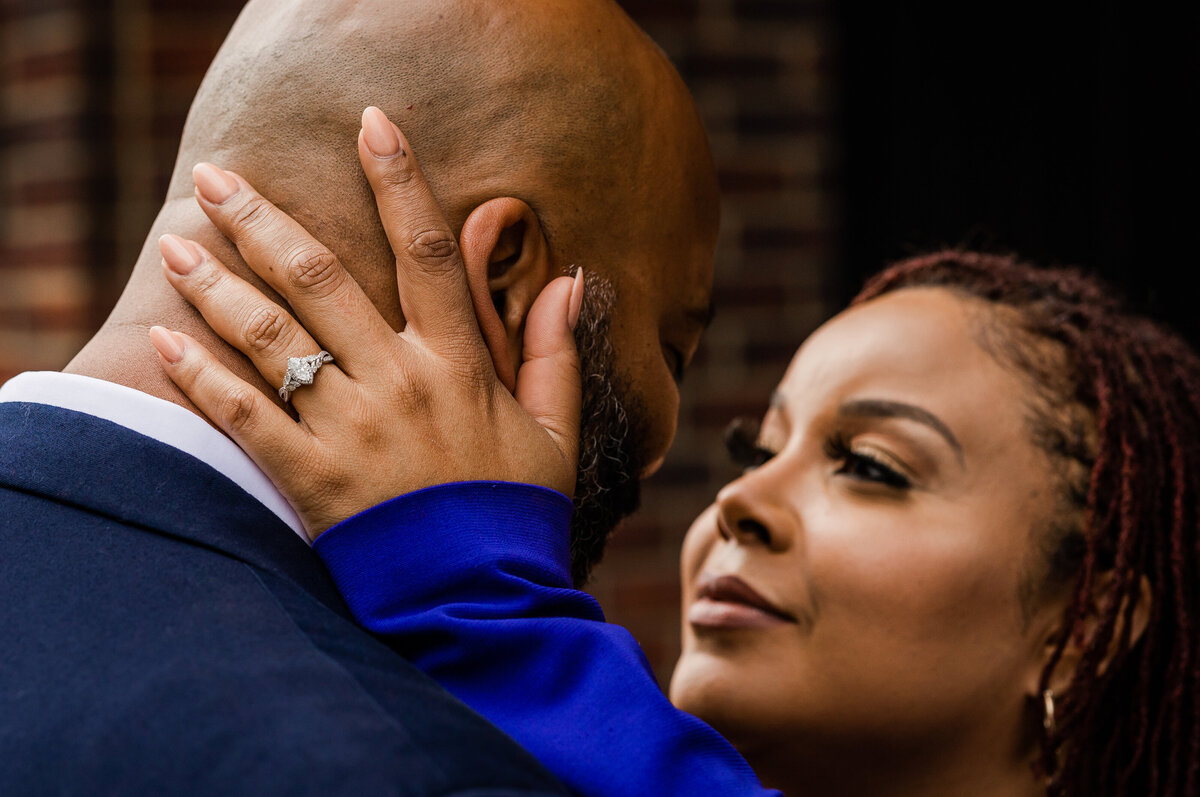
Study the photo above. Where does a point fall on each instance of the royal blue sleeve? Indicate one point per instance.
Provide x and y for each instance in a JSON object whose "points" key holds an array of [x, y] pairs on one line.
{"points": [[471, 582]]}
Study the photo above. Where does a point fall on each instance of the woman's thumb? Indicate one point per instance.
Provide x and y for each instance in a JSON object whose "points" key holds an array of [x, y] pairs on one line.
{"points": [[549, 385]]}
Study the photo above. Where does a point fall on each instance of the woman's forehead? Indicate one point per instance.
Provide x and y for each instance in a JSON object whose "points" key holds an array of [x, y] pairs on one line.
{"points": [[916, 344]]}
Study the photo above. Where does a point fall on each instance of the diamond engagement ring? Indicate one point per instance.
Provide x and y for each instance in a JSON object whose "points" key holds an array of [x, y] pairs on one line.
{"points": [[300, 372]]}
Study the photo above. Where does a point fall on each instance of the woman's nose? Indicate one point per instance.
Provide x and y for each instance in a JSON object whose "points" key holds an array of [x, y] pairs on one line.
{"points": [[750, 511]]}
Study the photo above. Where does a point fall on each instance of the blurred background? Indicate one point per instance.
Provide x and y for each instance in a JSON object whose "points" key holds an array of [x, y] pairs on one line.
{"points": [[1061, 130]]}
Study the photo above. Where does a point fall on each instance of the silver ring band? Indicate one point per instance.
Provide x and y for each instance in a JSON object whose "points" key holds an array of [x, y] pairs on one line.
{"points": [[300, 372]]}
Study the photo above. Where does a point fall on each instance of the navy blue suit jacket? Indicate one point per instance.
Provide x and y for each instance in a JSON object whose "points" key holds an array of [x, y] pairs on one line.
{"points": [[163, 632]]}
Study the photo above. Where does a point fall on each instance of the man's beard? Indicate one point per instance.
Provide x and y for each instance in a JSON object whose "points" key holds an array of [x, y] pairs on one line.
{"points": [[613, 424]]}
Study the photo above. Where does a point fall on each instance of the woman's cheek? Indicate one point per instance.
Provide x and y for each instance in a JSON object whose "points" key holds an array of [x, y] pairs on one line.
{"points": [[697, 545]]}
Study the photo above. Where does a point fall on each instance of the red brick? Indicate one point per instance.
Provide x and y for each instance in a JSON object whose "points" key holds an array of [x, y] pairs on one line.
{"points": [[46, 65], [49, 255], [52, 192], [45, 318]]}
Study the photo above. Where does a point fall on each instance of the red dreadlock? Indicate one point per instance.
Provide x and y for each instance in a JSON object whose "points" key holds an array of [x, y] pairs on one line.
{"points": [[1129, 723]]}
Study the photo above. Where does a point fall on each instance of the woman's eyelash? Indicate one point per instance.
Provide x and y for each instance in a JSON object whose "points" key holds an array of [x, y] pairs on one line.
{"points": [[741, 441], [863, 467]]}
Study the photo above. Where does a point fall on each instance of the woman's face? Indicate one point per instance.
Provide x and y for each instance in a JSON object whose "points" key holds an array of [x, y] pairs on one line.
{"points": [[886, 538]]}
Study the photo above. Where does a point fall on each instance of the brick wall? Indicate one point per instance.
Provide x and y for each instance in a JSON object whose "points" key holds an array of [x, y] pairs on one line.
{"points": [[94, 94], [44, 221]]}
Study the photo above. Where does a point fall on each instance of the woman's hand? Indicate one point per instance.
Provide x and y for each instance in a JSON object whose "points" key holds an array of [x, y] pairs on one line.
{"points": [[393, 412]]}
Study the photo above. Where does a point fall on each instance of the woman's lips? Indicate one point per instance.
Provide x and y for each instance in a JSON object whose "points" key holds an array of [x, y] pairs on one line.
{"points": [[729, 602]]}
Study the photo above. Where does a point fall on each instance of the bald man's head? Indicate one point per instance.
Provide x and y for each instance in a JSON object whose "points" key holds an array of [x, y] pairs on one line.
{"points": [[549, 101], [553, 133]]}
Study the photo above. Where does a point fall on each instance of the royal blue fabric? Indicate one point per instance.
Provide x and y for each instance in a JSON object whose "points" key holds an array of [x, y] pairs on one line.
{"points": [[162, 632], [471, 581]]}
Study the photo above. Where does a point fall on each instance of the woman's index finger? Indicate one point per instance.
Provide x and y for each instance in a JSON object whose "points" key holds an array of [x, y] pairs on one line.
{"points": [[430, 275], [331, 305]]}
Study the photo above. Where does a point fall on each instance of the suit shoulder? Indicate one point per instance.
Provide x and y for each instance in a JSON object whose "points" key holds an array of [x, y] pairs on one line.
{"points": [[139, 663]]}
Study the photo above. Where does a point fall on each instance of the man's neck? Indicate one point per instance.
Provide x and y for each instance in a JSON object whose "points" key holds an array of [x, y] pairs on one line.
{"points": [[121, 351], [122, 354]]}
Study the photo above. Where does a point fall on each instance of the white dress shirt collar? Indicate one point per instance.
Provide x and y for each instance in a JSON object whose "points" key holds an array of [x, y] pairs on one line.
{"points": [[156, 418]]}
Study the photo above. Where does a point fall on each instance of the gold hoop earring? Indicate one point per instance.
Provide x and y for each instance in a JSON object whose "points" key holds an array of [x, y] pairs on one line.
{"points": [[1048, 711]]}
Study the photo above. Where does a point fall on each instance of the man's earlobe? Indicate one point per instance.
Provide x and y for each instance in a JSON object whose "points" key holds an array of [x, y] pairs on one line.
{"points": [[508, 263]]}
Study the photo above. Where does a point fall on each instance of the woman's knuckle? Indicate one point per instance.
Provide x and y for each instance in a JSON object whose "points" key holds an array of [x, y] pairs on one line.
{"points": [[264, 328], [251, 215], [432, 247], [314, 270], [237, 408], [204, 281]]}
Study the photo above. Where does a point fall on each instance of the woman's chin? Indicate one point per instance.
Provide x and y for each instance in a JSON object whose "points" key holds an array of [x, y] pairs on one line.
{"points": [[708, 687]]}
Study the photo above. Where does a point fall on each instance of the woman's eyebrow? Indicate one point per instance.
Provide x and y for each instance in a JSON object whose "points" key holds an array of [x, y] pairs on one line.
{"points": [[880, 408]]}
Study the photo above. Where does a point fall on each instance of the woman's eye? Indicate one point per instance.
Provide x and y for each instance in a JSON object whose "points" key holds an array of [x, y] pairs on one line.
{"points": [[867, 469], [741, 441], [863, 467]]}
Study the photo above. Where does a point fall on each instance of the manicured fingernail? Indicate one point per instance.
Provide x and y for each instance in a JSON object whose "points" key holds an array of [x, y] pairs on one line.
{"points": [[180, 256], [169, 344], [215, 185], [379, 133], [576, 302]]}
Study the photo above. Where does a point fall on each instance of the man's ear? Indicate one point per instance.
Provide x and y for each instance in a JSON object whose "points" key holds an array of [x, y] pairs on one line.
{"points": [[508, 263], [1064, 670]]}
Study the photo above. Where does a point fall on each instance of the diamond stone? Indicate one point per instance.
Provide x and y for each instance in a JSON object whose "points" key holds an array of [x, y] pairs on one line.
{"points": [[301, 369]]}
